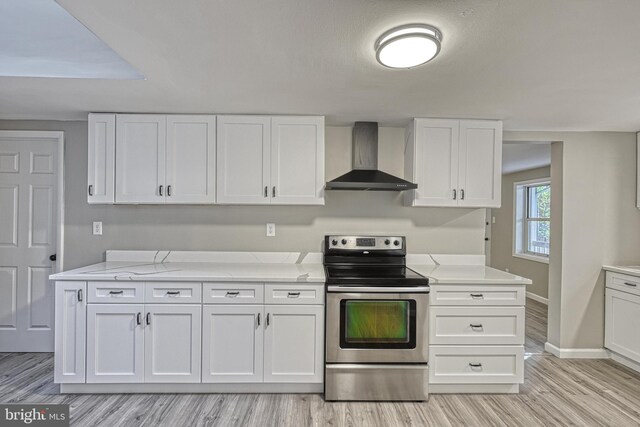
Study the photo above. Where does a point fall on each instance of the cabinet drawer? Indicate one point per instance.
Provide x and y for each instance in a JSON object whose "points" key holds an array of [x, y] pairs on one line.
{"points": [[173, 292], [476, 325], [623, 282], [477, 295], [115, 292], [233, 293], [476, 365], [294, 294]]}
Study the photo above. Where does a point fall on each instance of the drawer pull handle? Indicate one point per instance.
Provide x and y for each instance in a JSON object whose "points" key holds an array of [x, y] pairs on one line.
{"points": [[139, 318], [116, 292], [258, 319], [268, 322], [476, 325], [79, 295], [293, 294], [148, 318], [475, 365], [232, 294], [173, 292], [477, 296], [630, 284]]}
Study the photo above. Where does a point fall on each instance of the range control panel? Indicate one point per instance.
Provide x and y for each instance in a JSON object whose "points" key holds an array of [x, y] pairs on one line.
{"points": [[365, 242]]}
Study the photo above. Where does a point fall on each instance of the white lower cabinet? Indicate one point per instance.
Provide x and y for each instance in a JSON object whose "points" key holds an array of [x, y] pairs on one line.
{"points": [[70, 332], [232, 342], [115, 343], [294, 344], [622, 323], [172, 343], [476, 338]]}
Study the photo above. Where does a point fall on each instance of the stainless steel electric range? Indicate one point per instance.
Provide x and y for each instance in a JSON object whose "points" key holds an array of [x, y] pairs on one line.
{"points": [[376, 328]]}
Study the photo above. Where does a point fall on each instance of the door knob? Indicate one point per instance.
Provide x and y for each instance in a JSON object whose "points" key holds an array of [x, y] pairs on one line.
{"points": [[52, 257]]}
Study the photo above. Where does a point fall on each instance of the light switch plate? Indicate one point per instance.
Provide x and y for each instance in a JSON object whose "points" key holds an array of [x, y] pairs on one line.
{"points": [[97, 228], [271, 230]]}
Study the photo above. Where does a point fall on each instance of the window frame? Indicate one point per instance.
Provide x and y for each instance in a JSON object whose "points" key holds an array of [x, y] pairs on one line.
{"points": [[521, 220]]}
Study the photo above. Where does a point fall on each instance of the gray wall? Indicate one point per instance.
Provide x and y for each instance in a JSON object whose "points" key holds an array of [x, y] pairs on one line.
{"points": [[299, 228], [502, 236], [594, 175]]}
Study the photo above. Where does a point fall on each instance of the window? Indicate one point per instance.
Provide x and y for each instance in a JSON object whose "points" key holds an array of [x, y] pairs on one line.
{"points": [[532, 219]]}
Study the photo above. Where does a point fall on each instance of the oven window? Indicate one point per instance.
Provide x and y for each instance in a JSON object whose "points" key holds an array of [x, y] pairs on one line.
{"points": [[377, 324]]}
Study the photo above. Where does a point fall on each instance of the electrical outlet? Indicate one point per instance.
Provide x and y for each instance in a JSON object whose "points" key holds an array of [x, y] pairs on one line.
{"points": [[493, 219], [97, 228], [271, 230]]}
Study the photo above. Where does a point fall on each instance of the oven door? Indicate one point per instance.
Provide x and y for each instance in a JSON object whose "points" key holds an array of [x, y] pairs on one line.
{"points": [[377, 325]]}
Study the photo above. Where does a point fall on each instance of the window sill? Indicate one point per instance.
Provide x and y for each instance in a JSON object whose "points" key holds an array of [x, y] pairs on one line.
{"points": [[536, 258]]}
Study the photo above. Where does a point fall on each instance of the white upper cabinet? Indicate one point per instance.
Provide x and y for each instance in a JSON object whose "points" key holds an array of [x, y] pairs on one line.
{"points": [[102, 151], [140, 158], [243, 159], [297, 160], [191, 150], [270, 160], [204, 159], [480, 160], [454, 162]]}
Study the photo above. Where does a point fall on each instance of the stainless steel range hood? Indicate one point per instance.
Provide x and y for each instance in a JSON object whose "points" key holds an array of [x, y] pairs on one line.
{"points": [[365, 175]]}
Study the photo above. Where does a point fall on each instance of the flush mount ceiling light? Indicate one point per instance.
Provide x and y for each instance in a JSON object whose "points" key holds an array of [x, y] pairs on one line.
{"points": [[408, 46]]}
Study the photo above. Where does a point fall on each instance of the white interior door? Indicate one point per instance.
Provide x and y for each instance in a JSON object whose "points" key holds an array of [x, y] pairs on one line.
{"points": [[232, 341], [243, 160], [115, 343], [436, 162], [191, 159], [294, 344], [297, 160], [172, 343], [28, 237], [480, 163], [140, 158]]}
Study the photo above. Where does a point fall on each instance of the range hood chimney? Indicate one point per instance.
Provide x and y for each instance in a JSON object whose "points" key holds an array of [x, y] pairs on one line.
{"points": [[365, 175]]}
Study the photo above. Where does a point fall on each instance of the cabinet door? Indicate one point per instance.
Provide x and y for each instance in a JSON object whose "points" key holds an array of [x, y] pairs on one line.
{"points": [[232, 342], [297, 160], [70, 332], [480, 163], [436, 162], [102, 152], [115, 347], [191, 159], [622, 323], [294, 344], [243, 160], [172, 343], [140, 158]]}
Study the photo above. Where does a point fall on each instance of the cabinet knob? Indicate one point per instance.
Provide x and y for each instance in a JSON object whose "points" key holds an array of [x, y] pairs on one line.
{"points": [[169, 190], [79, 295], [266, 191], [462, 194], [139, 318], [455, 194], [160, 190], [91, 190], [273, 191]]}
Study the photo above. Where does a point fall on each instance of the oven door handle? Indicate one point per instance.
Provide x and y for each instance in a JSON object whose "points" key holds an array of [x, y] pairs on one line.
{"points": [[379, 289]]}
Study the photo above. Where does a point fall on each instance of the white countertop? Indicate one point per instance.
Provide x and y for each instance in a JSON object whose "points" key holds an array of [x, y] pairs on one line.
{"points": [[468, 274], [632, 270], [197, 271]]}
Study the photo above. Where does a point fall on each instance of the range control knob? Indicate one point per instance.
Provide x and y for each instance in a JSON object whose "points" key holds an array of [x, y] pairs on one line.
{"points": [[396, 242], [344, 241], [387, 242], [334, 242]]}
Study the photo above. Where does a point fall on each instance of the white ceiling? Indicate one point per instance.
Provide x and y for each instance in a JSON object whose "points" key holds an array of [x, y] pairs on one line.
{"points": [[520, 156], [38, 38], [538, 65]]}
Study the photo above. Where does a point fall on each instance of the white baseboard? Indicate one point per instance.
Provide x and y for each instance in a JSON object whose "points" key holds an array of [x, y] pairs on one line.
{"points": [[538, 298], [576, 353], [624, 361]]}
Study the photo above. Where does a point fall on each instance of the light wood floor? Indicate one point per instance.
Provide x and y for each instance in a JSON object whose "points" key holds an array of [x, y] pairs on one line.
{"points": [[556, 393]]}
